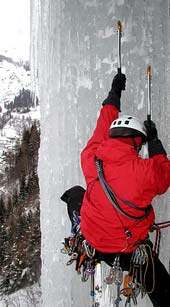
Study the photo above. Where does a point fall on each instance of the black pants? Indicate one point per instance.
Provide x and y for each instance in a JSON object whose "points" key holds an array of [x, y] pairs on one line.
{"points": [[160, 296]]}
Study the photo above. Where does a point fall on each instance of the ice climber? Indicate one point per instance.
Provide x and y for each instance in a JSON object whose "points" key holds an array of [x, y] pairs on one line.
{"points": [[134, 182]]}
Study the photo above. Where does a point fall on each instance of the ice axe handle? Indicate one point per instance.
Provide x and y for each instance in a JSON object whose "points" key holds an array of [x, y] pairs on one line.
{"points": [[119, 71], [149, 94], [119, 28], [149, 118]]}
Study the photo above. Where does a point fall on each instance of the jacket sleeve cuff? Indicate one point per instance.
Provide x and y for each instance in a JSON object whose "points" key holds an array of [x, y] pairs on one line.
{"points": [[155, 147], [113, 99]]}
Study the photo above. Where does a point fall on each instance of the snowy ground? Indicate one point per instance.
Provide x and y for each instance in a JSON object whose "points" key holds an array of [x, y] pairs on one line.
{"points": [[29, 297]]}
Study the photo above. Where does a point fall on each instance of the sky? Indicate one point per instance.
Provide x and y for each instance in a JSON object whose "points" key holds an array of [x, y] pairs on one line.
{"points": [[15, 28]]}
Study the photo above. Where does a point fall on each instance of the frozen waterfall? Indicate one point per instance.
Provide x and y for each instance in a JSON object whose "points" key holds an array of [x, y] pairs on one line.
{"points": [[74, 57]]}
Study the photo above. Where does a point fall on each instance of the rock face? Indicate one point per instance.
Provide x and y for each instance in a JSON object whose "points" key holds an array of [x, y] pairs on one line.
{"points": [[74, 52]]}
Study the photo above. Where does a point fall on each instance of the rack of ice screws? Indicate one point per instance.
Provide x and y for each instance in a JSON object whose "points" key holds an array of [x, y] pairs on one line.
{"points": [[134, 281], [131, 285]]}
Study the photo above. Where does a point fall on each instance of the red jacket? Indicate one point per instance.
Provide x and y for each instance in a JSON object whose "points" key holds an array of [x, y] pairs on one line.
{"points": [[132, 178]]}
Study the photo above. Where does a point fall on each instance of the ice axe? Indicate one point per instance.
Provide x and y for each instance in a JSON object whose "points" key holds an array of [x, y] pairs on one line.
{"points": [[119, 28], [149, 109]]}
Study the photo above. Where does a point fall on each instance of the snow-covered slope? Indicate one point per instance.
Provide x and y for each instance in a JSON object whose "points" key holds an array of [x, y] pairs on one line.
{"points": [[28, 297], [13, 77], [12, 131]]}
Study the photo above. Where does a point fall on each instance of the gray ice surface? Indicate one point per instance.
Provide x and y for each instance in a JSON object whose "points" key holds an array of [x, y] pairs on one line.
{"points": [[74, 58]]}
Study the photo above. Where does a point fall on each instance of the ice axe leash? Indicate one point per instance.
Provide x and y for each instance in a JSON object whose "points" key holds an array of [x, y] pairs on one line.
{"points": [[119, 30]]}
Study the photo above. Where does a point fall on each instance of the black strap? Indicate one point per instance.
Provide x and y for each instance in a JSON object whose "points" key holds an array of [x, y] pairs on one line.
{"points": [[111, 195]]}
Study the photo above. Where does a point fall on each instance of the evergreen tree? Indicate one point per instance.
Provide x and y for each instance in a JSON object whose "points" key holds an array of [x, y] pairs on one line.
{"points": [[20, 225], [15, 197], [2, 210]]}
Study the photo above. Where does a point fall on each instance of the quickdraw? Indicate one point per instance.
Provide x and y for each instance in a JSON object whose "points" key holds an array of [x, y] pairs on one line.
{"points": [[81, 253]]}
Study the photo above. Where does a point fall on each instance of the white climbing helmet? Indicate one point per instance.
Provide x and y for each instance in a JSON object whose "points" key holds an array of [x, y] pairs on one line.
{"points": [[127, 126]]}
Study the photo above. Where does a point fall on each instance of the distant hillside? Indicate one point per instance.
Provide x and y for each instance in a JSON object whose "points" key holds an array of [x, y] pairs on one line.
{"points": [[13, 78], [22, 102], [20, 262], [4, 58], [25, 64]]}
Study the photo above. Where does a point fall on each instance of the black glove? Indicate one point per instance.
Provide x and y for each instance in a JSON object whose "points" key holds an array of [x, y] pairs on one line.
{"points": [[155, 146], [118, 85], [151, 130]]}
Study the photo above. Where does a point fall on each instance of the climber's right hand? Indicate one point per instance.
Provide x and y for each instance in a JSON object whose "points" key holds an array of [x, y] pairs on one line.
{"points": [[155, 146], [151, 130]]}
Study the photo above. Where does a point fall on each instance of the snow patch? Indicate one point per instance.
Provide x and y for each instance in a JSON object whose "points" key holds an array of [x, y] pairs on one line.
{"points": [[84, 82], [28, 297], [107, 32], [141, 104]]}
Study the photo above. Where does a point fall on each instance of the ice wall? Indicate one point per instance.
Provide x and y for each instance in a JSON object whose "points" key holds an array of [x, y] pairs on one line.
{"points": [[74, 57]]}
